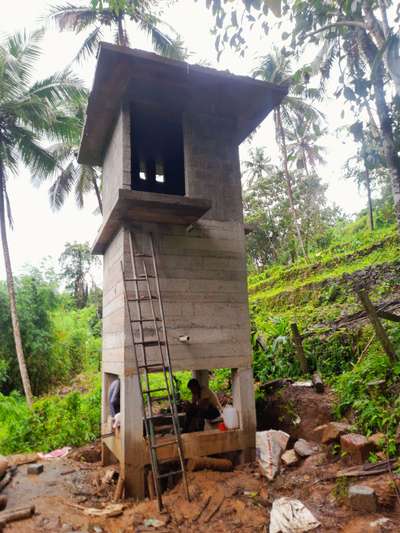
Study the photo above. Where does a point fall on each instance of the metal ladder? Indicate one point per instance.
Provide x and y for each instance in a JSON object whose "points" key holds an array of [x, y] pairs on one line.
{"points": [[143, 294]]}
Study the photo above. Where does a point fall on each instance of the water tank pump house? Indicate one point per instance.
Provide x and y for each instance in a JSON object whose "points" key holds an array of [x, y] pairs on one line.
{"points": [[166, 135]]}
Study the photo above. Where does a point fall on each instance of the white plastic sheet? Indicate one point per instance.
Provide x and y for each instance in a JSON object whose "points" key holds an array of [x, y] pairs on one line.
{"points": [[270, 445], [291, 516]]}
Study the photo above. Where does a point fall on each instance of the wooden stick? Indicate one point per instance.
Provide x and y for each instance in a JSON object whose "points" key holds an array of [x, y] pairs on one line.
{"points": [[376, 324], [366, 348], [150, 485], [119, 489], [215, 510], [318, 383], [299, 347], [202, 508], [6, 480], [18, 514]]}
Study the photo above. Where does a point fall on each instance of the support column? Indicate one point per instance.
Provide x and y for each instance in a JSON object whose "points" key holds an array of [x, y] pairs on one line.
{"points": [[202, 376], [244, 402], [132, 442]]}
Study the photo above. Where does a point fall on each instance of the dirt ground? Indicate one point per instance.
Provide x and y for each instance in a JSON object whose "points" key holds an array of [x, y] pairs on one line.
{"points": [[222, 502]]}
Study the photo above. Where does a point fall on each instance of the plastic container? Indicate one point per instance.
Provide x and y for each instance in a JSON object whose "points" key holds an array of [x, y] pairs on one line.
{"points": [[230, 417]]}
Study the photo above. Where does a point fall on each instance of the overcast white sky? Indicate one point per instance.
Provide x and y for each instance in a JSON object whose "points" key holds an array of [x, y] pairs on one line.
{"points": [[38, 231]]}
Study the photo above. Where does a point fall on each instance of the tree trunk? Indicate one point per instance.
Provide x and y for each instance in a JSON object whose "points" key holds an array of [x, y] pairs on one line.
{"points": [[370, 52], [370, 210], [281, 136], [11, 293], [98, 195], [380, 34]]}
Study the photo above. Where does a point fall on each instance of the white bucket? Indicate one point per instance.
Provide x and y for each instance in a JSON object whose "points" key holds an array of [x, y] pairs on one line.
{"points": [[230, 417]]}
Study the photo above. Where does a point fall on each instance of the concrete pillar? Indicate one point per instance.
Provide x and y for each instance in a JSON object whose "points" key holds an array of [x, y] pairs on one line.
{"points": [[244, 402], [132, 442], [202, 376]]}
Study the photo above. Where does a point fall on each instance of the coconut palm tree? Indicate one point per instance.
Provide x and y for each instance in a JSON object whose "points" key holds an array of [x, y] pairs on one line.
{"points": [[276, 68], [29, 111], [95, 16], [71, 176]]}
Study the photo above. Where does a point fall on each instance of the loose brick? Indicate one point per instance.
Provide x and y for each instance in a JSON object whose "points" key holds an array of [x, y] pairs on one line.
{"points": [[333, 431], [356, 448], [290, 458], [362, 499], [35, 469]]}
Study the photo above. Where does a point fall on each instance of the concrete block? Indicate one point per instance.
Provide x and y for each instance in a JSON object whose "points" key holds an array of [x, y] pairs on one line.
{"points": [[333, 431], [34, 469], [362, 499], [356, 448]]}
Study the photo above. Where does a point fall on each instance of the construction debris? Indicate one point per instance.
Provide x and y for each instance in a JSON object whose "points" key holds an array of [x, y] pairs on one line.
{"points": [[362, 498], [290, 458], [356, 448], [318, 383], [270, 446], [34, 469], [304, 448], [333, 431], [289, 516], [3, 466], [17, 514]]}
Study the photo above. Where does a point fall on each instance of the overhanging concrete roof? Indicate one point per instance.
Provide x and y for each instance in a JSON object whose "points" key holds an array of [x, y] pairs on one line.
{"points": [[124, 76]]}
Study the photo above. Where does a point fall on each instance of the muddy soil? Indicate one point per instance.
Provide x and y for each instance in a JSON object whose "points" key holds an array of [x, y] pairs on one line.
{"points": [[221, 502]]}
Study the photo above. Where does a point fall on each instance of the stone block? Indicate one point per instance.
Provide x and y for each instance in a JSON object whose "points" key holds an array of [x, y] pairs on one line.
{"points": [[377, 440], [304, 448], [34, 469], [290, 458], [356, 448], [362, 499], [333, 431]]}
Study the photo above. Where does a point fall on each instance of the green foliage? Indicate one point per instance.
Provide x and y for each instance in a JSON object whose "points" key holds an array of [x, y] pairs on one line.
{"points": [[59, 341], [53, 422], [77, 340]]}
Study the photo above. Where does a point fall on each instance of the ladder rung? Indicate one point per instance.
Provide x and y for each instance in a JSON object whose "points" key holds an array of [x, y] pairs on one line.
{"points": [[154, 365], [138, 320], [143, 299], [166, 443], [140, 278], [142, 255], [150, 391], [160, 398], [150, 343], [167, 474]]}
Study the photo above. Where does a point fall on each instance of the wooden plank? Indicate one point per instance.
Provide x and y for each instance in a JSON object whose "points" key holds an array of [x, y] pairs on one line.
{"points": [[380, 331], [388, 316]]}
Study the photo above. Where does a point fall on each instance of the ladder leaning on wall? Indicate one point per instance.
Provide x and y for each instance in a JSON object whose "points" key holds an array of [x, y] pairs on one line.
{"points": [[144, 269]]}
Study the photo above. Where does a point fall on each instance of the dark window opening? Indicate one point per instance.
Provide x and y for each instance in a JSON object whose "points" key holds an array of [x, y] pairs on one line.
{"points": [[157, 151]]}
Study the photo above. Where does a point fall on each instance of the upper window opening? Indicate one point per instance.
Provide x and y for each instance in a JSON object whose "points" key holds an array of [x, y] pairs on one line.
{"points": [[157, 151]]}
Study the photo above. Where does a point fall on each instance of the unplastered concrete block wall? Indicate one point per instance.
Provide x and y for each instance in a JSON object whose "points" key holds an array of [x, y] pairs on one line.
{"points": [[202, 269], [116, 165]]}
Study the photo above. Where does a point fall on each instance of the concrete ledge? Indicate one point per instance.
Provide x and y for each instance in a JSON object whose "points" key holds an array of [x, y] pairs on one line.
{"points": [[139, 206]]}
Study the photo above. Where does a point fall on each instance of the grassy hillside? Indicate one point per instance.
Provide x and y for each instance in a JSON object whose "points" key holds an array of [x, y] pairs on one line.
{"points": [[315, 294]]}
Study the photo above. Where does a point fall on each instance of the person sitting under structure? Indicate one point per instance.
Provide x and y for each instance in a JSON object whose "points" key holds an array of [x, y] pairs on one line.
{"points": [[204, 406], [114, 400]]}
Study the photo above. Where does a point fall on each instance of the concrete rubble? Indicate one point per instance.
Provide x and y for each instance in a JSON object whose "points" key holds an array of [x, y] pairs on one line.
{"points": [[355, 448], [362, 498]]}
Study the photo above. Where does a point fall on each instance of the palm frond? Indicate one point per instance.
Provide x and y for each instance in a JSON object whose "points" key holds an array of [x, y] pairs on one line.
{"points": [[84, 183], [71, 17], [90, 44], [39, 160], [62, 186]]}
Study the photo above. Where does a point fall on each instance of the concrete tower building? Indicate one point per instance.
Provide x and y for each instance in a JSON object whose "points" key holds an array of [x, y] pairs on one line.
{"points": [[167, 134]]}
